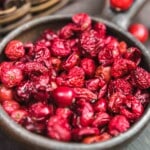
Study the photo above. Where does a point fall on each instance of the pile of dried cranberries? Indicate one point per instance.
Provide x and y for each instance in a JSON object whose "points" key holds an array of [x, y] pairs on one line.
{"points": [[79, 84]]}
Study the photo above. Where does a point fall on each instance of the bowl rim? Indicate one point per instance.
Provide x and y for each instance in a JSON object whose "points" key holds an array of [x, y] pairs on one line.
{"points": [[33, 139]]}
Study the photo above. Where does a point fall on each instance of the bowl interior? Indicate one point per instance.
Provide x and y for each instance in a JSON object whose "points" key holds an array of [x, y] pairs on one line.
{"points": [[29, 32]]}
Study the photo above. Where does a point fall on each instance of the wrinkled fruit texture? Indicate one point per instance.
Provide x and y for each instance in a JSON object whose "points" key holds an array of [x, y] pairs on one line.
{"points": [[78, 84]]}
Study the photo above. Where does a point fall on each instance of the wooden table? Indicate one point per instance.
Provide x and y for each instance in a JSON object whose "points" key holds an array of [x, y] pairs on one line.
{"points": [[93, 7]]}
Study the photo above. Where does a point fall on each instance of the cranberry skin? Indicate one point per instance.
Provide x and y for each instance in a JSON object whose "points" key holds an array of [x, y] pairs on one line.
{"points": [[6, 94], [12, 77], [100, 105], [19, 116], [79, 133], [63, 96], [139, 31], [40, 111], [59, 129], [14, 50], [10, 106], [96, 138], [118, 124], [88, 66], [141, 78], [82, 20], [121, 5], [60, 48]]}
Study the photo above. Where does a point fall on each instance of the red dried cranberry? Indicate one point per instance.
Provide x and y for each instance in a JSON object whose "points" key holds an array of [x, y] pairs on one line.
{"points": [[121, 5], [19, 116], [97, 138], [122, 67], [88, 66], [101, 119], [5, 66], [49, 35], [63, 96], [59, 129], [100, 28], [71, 61], [91, 42], [141, 78], [14, 50], [40, 111], [85, 93], [118, 124], [11, 77], [100, 105], [139, 31], [10, 106], [82, 20], [6, 94], [133, 54], [79, 133], [122, 47], [119, 85], [60, 48]]}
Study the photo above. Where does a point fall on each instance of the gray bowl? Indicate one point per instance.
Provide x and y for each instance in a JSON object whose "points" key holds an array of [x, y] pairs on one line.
{"points": [[29, 32]]}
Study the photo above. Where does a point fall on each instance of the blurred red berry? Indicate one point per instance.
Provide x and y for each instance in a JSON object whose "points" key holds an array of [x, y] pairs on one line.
{"points": [[139, 31], [121, 4]]}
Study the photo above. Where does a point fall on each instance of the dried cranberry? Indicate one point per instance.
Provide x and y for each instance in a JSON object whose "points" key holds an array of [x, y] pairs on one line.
{"points": [[11, 77], [6, 94], [48, 34], [14, 50], [82, 20], [121, 5], [100, 28], [88, 66], [60, 48], [10, 106], [139, 31], [141, 78], [59, 129], [118, 124], [63, 96]]}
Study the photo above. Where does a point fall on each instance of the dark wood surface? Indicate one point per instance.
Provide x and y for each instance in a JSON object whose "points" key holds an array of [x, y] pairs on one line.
{"points": [[93, 7]]}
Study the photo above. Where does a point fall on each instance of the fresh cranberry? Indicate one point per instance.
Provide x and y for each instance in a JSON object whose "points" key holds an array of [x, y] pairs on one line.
{"points": [[121, 5], [118, 124], [139, 31], [63, 96], [14, 50], [6, 94], [10, 106]]}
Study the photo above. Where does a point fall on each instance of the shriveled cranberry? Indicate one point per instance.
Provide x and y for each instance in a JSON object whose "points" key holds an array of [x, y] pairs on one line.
{"points": [[48, 34], [88, 66], [133, 54], [139, 31], [118, 124], [60, 48], [40, 111], [79, 133], [100, 105], [19, 116], [11, 77], [119, 85], [64, 112], [97, 138], [121, 5], [141, 78], [71, 61], [6, 94], [5, 66], [82, 20], [85, 93], [101, 119], [100, 28], [122, 67], [91, 42], [14, 50], [63, 96], [59, 129], [10, 106]]}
